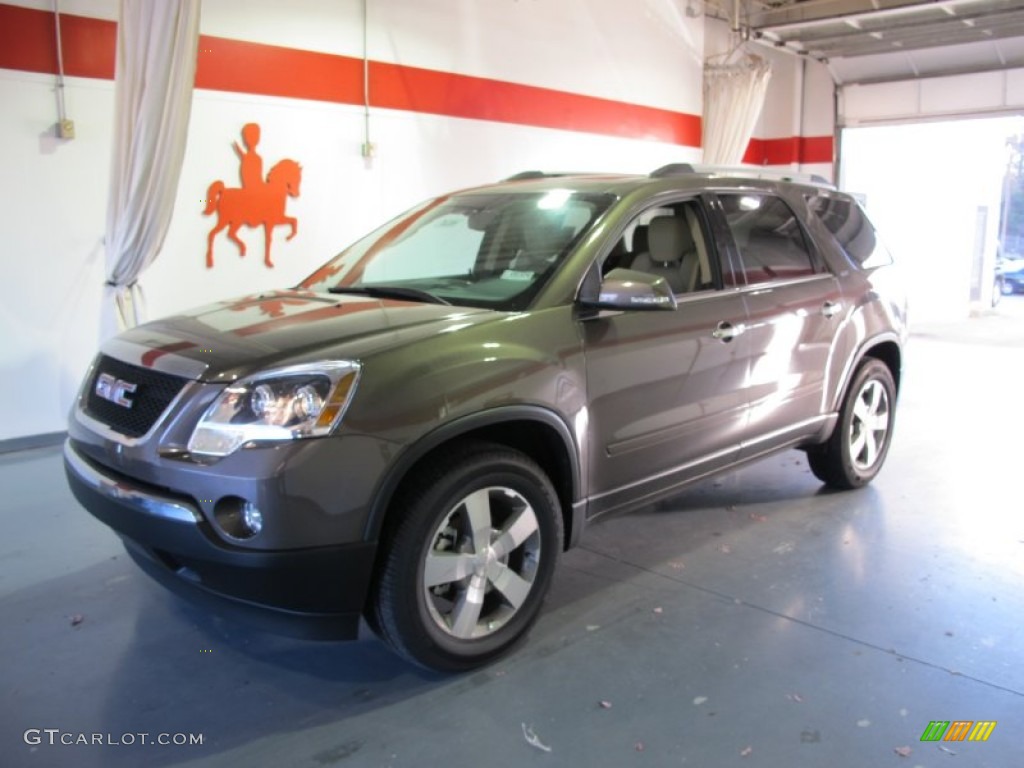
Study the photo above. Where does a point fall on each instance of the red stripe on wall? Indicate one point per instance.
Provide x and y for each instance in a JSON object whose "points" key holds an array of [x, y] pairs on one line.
{"points": [[817, 149], [802, 150], [27, 40], [269, 70], [27, 43], [442, 93], [93, 46]]}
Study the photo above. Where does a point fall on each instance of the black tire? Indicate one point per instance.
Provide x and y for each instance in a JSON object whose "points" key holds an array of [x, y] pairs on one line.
{"points": [[860, 441], [508, 568]]}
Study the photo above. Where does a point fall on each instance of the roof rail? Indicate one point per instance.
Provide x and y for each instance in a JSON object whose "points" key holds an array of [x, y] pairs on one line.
{"points": [[673, 169], [757, 172], [742, 171], [523, 175], [526, 175]]}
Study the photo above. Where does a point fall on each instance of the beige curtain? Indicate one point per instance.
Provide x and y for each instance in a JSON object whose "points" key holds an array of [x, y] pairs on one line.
{"points": [[156, 63], [733, 97]]}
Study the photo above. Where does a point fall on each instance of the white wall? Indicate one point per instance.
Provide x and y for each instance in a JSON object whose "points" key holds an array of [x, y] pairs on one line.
{"points": [[819, 116], [53, 201], [800, 105], [52, 208]]}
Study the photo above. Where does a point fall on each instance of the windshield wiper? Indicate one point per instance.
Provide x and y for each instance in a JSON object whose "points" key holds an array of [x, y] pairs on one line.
{"points": [[389, 292]]}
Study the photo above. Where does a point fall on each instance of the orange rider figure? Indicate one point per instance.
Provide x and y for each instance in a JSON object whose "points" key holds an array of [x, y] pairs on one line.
{"points": [[252, 164]]}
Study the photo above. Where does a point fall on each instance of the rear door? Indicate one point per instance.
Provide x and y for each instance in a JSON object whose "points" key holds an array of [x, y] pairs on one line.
{"points": [[666, 388], [794, 308]]}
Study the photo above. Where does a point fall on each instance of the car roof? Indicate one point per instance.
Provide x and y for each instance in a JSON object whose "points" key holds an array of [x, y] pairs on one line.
{"points": [[681, 176]]}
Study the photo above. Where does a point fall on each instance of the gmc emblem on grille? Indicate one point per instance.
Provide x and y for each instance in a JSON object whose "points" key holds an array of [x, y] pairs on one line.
{"points": [[115, 390]]}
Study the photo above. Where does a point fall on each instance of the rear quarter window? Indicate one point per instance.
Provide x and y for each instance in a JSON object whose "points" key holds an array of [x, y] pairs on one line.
{"points": [[851, 230]]}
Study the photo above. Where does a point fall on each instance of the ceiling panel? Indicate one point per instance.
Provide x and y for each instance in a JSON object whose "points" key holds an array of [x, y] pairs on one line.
{"points": [[878, 40]]}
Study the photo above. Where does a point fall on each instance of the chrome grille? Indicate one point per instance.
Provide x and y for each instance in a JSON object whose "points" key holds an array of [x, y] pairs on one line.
{"points": [[153, 392]]}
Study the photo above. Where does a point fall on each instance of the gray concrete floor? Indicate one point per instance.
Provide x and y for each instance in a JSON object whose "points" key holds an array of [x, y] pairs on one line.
{"points": [[754, 620]]}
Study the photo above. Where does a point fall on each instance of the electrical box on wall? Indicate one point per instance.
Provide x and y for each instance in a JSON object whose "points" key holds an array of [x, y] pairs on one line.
{"points": [[66, 129]]}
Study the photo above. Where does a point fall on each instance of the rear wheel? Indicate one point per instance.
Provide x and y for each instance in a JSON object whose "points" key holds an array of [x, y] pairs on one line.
{"points": [[859, 444], [465, 571]]}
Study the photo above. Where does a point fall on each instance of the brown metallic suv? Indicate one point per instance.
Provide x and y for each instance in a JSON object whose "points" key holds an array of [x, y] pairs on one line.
{"points": [[417, 430]]}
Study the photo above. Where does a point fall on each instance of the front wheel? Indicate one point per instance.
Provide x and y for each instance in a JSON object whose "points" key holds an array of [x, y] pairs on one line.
{"points": [[464, 573], [857, 447]]}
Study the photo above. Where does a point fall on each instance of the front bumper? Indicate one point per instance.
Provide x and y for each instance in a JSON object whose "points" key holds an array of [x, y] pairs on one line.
{"points": [[314, 592]]}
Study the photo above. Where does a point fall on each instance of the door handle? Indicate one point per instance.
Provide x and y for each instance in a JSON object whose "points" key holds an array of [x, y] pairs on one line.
{"points": [[831, 308], [726, 331]]}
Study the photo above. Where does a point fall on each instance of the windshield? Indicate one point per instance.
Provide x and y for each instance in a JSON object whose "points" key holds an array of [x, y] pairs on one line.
{"points": [[493, 249]]}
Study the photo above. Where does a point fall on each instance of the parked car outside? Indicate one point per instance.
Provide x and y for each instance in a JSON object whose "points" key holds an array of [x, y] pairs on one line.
{"points": [[1010, 276], [416, 431]]}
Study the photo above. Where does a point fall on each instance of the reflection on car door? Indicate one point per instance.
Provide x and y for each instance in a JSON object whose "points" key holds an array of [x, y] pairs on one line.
{"points": [[794, 308], [666, 388]]}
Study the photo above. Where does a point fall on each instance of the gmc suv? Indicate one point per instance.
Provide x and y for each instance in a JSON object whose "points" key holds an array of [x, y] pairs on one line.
{"points": [[417, 430]]}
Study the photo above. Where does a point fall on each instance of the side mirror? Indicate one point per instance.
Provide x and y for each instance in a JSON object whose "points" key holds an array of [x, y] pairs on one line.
{"points": [[627, 289]]}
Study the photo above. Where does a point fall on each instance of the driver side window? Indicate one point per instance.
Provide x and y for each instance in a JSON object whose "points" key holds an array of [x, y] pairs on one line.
{"points": [[667, 241]]}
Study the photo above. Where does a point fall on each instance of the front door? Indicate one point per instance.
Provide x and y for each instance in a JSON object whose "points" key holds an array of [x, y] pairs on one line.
{"points": [[666, 388]]}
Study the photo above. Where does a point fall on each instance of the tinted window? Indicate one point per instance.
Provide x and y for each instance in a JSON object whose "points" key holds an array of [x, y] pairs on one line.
{"points": [[851, 229], [771, 242]]}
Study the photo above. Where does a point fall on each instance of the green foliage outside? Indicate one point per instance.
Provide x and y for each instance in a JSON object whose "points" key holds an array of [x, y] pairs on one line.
{"points": [[1012, 223]]}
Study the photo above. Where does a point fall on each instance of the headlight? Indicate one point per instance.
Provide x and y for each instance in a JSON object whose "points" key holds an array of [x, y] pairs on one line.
{"points": [[282, 404]]}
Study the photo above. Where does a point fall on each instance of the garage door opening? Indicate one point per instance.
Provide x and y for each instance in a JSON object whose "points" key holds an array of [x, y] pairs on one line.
{"points": [[948, 198]]}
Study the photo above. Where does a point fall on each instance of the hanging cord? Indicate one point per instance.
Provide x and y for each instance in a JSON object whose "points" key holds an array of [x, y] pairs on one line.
{"points": [[61, 112], [367, 144]]}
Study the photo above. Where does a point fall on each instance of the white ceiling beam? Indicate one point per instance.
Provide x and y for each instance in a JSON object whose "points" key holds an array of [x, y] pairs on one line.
{"points": [[814, 13]]}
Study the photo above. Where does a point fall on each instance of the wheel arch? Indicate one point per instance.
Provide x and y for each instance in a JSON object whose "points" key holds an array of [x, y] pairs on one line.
{"points": [[887, 349], [534, 431], [835, 461], [890, 353]]}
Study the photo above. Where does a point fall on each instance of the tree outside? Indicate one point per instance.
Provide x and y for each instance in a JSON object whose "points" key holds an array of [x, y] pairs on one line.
{"points": [[1011, 225]]}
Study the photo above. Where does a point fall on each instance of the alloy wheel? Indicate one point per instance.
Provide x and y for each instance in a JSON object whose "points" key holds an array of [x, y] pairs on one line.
{"points": [[482, 563], [870, 425]]}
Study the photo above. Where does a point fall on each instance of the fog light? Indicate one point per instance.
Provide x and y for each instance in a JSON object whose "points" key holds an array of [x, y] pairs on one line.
{"points": [[238, 518], [252, 518]]}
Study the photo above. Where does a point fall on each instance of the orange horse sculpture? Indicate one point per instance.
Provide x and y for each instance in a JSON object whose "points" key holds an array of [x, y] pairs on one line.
{"points": [[253, 207]]}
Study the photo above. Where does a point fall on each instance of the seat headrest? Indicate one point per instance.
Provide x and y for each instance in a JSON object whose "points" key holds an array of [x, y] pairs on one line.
{"points": [[546, 235], [669, 238]]}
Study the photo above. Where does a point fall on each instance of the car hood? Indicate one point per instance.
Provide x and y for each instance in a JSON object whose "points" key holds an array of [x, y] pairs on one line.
{"points": [[234, 338]]}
